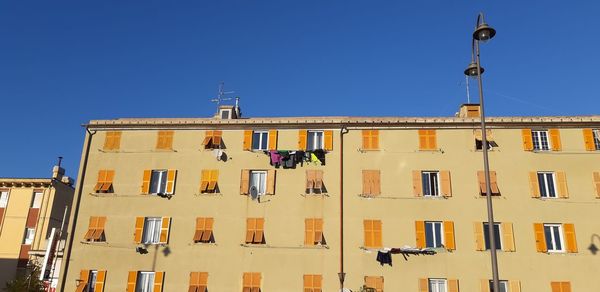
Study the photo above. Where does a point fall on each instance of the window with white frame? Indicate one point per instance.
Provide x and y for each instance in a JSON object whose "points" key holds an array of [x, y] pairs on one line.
{"points": [[91, 286], [497, 238], [502, 286], [152, 227], [145, 282], [158, 182], [434, 233], [3, 199], [37, 199], [258, 180], [431, 183], [438, 285], [29, 235], [547, 183], [540, 140], [260, 140], [554, 237], [314, 140], [596, 133]]}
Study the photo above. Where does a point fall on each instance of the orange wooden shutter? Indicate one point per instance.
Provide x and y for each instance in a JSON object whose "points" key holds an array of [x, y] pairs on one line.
{"points": [[214, 177], [158, 281], [131, 280], [302, 139], [368, 232], [446, 184], [556, 144], [514, 286], [366, 182], [310, 179], [203, 282], [200, 222], [432, 139], [84, 275], [479, 239], [139, 228], [508, 238], [217, 136], [570, 238], [377, 233], [146, 181], [376, 182], [534, 185], [417, 183], [556, 287], [245, 182], [494, 183], [318, 179], [272, 139], [481, 181], [208, 229], [309, 231], [99, 228], [91, 228], [108, 180], [260, 230], [247, 145], [171, 175], [204, 180], [452, 285], [101, 180], [374, 139], [208, 136], [485, 285], [420, 233], [194, 282], [527, 139], [423, 285], [108, 141], [247, 282], [449, 235], [250, 229], [328, 140], [597, 183], [566, 286], [164, 229], [423, 140], [318, 230], [116, 140], [271, 181], [563, 190], [540, 239], [366, 139], [100, 278], [164, 140], [588, 139]]}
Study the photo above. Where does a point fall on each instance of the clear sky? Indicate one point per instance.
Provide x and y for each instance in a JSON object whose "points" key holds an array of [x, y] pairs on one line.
{"points": [[63, 63]]}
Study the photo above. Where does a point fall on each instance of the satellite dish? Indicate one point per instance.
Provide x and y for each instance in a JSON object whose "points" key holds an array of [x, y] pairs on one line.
{"points": [[253, 193], [218, 154]]}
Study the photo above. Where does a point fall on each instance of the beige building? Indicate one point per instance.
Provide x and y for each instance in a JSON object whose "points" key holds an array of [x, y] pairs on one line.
{"points": [[30, 208], [203, 204]]}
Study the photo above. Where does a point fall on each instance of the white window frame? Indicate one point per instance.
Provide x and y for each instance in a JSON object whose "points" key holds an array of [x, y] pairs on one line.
{"points": [[258, 179], [437, 285], [554, 228], [596, 136], [4, 199], [145, 282], [430, 227], [502, 284], [36, 201], [262, 137], [29, 236], [499, 236], [316, 142], [426, 183], [91, 286], [546, 185], [161, 185], [538, 136], [152, 229]]}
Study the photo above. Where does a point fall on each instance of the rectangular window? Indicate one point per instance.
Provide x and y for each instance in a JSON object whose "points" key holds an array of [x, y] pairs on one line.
{"points": [[164, 140], [314, 182], [502, 286], [158, 182], [497, 235], [314, 140], [554, 237], [479, 139], [152, 229], [560, 286], [494, 190], [370, 139], [112, 141], [208, 183], [105, 181], [427, 140], [260, 140], [255, 229], [313, 231], [36, 202], [96, 229], [145, 282], [204, 230], [374, 282], [251, 282], [434, 233], [258, 181], [540, 140], [198, 282], [212, 140], [92, 281], [547, 184], [313, 283], [3, 199], [371, 182], [431, 183], [596, 134], [438, 285], [29, 235], [373, 233]]}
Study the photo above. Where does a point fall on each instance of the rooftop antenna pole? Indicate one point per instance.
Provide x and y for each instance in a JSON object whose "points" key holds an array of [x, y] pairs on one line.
{"points": [[221, 94], [60, 158], [468, 93]]}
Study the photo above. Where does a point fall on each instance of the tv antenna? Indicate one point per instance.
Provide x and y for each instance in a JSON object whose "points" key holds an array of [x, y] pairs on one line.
{"points": [[222, 94]]}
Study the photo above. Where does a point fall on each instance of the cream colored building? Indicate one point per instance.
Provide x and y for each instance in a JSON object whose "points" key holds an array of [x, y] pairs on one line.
{"points": [[196, 204], [29, 209]]}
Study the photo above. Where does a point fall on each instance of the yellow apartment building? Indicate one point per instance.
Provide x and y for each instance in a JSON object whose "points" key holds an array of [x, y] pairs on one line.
{"points": [[290, 204], [30, 208]]}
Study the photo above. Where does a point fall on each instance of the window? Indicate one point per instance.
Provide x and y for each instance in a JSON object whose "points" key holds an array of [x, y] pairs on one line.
{"points": [[204, 230], [251, 282], [152, 226], [152, 230], [596, 176], [494, 190], [112, 141], [29, 235], [479, 139], [255, 229], [208, 183], [3, 199], [145, 282], [554, 237], [546, 184], [313, 283], [435, 234], [213, 140], [314, 140], [373, 233], [263, 181], [497, 235], [370, 139], [438, 285], [374, 282], [159, 181], [258, 181], [260, 140], [502, 286], [313, 231], [105, 181], [37, 199], [430, 183], [503, 235], [91, 281], [314, 182], [371, 182], [164, 140], [596, 139], [139, 281], [225, 114], [198, 281], [540, 140], [427, 140], [96, 229], [560, 286]]}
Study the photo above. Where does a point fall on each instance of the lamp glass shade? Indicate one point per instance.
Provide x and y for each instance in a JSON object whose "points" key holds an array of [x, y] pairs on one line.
{"points": [[484, 33], [471, 70]]}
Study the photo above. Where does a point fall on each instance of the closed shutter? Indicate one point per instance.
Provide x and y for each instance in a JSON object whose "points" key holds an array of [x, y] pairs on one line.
{"points": [[164, 140], [108, 141], [423, 285], [417, 183], [563, 190], [245, 182], [146, 181], [272, 139], [271, 181], [368, 232], [420, 233], [481, 181], [100, 278], [139, 228], [318, 230], [373, 233], [250, 229], [310, 180], [508, 238], [194, 282], [158, 281], [514, 286], [556, 144], [200, 223], [449, 235], [375, 182], [366, 139], [377, 233], [328, 140], [302, 139], [527, 139], [479, 239], [485, 285], [540, 239], [116, 140], [597, 183], [570, 238], [374, 139], [446, 184], [203, 282], [247, 282], [452, 285], [366, 182], [588, 139], [309, 231], [164, 229], [534, 185], [423, 140], [131, 280], [247, 144], [432, 139], [171, 175]]}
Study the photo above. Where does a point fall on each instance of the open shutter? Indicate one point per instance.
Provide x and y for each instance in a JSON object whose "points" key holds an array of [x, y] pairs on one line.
{"points": [[272, 139], [204, 180], [310, 179], [588, 139], [366, 182], [247, 145], [101, 180], [527, 139], [139, 228], [99, 228], [214, 177], [171, 175], [100, 278], [318, 230], [309, 231], [328, 140], [452, 285], [446, 184], [131, 280], [245, 182], [377, 233], [217, 137], [540, 239], [271, 181], [534, 185], [417, 183], [449, 235], [376, 182], [302, 139], [250, 229], [366, 139], [494, 183], [108, 180], [164, 229], [563, 190], [420, 233], [146, 181], [84, 275], [208, 229], [200, 222], [158, 281], [423, 285], [260, 230], [597, 183], [479, 239], [485, 285], [570, 238], [508, 238], [374, 139], [208, 136], [91, 228], [556, 144], [319, 180], [514, 286]]}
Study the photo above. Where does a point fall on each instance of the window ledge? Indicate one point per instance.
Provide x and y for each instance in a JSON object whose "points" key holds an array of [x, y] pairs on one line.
{"points": [[250, 245], [314, 195], [430, 150], [362, 150], [208, 194], [484, 196], [163, 150], [100, 195], [93, 242], [203, 244], [138, 151]]}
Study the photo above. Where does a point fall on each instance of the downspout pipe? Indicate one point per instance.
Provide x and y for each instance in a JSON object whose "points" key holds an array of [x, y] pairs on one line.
{"points": [[75, 207], [342, 274]]}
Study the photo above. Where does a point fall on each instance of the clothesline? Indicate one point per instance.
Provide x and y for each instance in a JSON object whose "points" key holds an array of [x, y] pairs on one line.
{"points": [[290, 158], [384, 256]]}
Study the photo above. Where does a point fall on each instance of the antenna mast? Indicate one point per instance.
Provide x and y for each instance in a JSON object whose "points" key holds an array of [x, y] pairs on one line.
{"points": [[221, 95], [468, 93]]}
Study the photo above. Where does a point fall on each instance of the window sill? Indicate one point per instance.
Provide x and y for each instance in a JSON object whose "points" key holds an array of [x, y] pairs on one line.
{"points": [[484, 196], [204, 244], [163, 150], [250, 245], [362, 150], [430, 150], [208, 194], [138, 151], [93, 242], [315, 195]]}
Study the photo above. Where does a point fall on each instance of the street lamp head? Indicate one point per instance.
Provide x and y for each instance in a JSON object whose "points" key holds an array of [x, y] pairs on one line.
{"points": [[471, 70], [484, 32]]}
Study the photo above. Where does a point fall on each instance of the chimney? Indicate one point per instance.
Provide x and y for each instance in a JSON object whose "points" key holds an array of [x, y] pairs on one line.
{"points": [[469, 110]]}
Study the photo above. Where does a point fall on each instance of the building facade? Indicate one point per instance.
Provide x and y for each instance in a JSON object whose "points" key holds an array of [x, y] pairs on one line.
{"points": [[289, 204], [30, 209]]}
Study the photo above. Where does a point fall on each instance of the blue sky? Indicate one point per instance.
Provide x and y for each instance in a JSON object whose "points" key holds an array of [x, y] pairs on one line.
{"points": [[63, 63]]}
